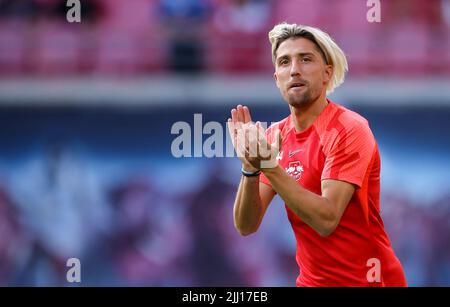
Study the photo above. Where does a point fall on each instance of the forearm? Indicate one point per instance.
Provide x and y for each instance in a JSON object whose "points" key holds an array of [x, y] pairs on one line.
{"points": [[248, 210], [313, 209]]}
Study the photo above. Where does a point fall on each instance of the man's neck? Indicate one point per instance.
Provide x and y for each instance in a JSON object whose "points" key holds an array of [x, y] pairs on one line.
{"points": [[304, 117]]}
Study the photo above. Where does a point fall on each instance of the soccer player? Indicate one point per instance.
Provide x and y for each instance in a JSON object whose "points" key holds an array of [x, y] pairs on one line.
{"points": [[323, 161]]}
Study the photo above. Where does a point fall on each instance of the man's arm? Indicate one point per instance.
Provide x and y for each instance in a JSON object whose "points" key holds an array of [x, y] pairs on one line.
{"points": [[321, 212], [252, 197], [252, 200]]}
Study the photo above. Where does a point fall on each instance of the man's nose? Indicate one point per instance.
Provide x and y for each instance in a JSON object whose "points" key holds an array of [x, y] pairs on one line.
{"points": [[295, 68]]}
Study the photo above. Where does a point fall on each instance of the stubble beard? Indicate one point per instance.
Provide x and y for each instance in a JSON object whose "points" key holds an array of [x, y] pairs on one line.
{"points": [[302, 100]]}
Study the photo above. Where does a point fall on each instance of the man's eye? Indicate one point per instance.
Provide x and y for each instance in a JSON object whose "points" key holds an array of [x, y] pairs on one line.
{"points": [[283, 62], [306, 60]]}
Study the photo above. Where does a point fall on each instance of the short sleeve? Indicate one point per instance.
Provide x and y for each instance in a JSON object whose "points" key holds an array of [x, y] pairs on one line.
{"points": [[349, 156]]}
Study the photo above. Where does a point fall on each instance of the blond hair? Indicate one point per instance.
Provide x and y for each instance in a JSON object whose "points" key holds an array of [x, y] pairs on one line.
{"points": [[332, 54]]}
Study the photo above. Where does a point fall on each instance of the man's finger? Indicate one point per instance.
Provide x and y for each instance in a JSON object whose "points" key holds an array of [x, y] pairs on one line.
{"points": [[232, 131], [261, 131], [231, 128], [247, 116], [240, 142], [261, 135], [278, 141], [240, 113], [234, 117], [264, 149], [253, 140]]}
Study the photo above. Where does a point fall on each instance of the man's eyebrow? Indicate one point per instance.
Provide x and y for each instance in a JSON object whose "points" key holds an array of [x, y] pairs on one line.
{"points": [[306, 54], [281, 57], [302, 54]]}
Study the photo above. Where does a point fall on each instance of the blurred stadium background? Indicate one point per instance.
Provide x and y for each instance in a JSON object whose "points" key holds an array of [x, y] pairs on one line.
{"points": [[86, 111]]}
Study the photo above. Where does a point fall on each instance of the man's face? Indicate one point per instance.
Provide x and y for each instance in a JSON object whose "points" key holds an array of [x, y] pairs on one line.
{"points": [[301, 73]]}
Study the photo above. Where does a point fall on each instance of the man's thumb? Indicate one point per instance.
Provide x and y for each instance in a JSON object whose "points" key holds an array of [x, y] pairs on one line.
{"points": [[278, 140]]}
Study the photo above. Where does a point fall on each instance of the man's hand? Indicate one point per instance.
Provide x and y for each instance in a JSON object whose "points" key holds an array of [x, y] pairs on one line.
{"points": [[237, 125], [250, 142], [263, 155]]}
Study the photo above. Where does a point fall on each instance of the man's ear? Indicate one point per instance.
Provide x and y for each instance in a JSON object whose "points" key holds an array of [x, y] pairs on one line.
{"points": [[276, 79], [328, 73]]}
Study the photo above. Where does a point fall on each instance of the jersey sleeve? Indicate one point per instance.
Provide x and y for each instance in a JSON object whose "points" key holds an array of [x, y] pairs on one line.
{"points": [[350, 154]]}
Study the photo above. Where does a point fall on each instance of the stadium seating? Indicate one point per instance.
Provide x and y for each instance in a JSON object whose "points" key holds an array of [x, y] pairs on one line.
{"points": [[129, 38]]}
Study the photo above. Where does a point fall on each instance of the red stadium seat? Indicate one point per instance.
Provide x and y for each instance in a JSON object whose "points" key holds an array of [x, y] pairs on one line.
{"points": [[13, 47], [57, 49], [235, 52], [438, 52], [235, 45], [129, 45], [117, 53], [299, 11], [407, 49], [357, 50]]}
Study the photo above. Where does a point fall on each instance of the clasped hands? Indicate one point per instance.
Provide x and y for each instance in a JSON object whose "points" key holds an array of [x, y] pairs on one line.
{"points": [[250, 142]]}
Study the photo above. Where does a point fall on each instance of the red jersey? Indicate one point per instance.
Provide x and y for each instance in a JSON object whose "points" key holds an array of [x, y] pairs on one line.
{"points": [[339, 145]]}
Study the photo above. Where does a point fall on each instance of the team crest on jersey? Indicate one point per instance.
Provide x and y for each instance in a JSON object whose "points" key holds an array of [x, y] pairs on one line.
{"points": [[295, 170]]}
